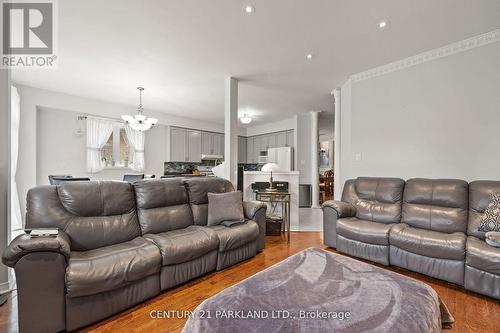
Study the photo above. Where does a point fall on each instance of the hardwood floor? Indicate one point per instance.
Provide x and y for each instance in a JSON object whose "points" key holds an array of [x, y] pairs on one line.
{"points": [[472, 312]]}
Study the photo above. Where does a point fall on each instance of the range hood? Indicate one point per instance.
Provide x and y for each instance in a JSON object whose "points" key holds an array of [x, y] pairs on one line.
{"points": [[211, 157]]}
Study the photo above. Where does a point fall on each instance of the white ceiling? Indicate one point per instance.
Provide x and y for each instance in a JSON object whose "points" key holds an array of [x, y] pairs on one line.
{"points": [[181, 50]]}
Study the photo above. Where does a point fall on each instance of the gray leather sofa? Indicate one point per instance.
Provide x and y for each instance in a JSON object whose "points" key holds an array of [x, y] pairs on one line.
{"points": [[425, 225], [118, 245]]}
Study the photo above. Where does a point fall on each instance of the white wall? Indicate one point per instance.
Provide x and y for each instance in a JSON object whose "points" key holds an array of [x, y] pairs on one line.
{"points": [[155, 150], [61, 151], [58, 135], [303, 147], [436, 119]]}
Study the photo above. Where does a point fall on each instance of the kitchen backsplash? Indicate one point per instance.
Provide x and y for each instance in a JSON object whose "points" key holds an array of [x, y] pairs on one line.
{"points": [[250, 166], [174, 168]]}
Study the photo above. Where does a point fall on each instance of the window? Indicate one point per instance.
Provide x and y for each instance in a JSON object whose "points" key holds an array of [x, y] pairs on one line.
{"points": [[117, 152]]}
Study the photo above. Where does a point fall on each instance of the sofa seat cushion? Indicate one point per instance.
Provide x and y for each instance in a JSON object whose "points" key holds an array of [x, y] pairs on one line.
{"points": [[364, 231], [183, 245], [111, 267], [428, 243], [235, 236], [483, 256]]}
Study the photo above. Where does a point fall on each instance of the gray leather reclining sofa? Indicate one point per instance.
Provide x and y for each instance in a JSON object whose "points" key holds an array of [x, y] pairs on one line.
{"points": [[428, 226], [118, 245]]}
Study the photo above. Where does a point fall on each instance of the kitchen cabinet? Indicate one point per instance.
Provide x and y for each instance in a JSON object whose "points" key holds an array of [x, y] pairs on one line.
{"points": [[281, 139], [270, 141], [260, 143], [242, 149], [289, 139], [193, 146], [250, 147], [218, 144], [178, 144], [257, 147], [206, 143], [185, 145], [212, 143]]}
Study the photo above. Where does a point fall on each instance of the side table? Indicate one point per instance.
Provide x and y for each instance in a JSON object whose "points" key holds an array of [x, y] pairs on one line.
{"points": [[278, 197]]}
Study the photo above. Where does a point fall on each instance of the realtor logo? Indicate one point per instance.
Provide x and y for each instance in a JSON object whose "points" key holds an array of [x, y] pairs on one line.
{"points": [[28, 38]]}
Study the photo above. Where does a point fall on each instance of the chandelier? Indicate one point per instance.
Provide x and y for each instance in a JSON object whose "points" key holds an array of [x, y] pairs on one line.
{"points": [[140, 122]]}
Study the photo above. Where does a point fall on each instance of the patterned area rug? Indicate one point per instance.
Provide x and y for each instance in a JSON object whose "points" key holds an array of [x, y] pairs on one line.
{"points": [[319, 291]]}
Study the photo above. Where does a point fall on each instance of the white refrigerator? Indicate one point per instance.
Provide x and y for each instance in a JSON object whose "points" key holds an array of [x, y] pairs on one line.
{"points": [[282, 156]]}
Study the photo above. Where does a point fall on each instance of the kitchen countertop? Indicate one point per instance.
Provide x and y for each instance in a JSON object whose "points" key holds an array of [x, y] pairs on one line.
{"points": [[182, 175]]}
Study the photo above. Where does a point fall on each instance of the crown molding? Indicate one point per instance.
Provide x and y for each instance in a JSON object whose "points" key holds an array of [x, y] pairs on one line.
{"points": [[447, 50]]}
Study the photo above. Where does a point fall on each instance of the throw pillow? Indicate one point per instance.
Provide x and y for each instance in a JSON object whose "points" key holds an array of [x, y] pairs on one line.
{"points": [[491, 217], [225, 207], [493, 238]]}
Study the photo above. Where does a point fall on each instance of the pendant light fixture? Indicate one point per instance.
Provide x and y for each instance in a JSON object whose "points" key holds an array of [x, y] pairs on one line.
{"points": [[140, 122], [246, 119]]}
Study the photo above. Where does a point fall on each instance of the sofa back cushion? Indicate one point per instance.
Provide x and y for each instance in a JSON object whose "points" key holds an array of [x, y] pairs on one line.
{"points": [[436, 204], [93, 214], [379, 199], [479, 197], [349, 192], [198, 189], [162, 205]]}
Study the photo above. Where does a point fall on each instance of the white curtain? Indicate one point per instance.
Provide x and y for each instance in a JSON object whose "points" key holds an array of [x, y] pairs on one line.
{"points": [[16, 222], [98, 132], [136, 140]]}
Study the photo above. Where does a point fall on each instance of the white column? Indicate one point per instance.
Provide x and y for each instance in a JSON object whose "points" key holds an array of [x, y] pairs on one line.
{"points": [[4, 171], [336, 159], [231, 130], [314, 159]]}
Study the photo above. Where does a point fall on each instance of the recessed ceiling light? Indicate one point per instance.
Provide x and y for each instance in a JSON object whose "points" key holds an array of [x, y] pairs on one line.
{"points": [[383, 24], [249, 9], [309, 56]]}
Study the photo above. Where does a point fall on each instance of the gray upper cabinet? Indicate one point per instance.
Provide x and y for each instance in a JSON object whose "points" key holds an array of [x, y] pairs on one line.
{"points": [[177, 144], [194, 146], [259, 143], [206, 143], [218, 144], [212, 143], [281, 139], [271, 141], [185, 145], [257, 147], [289, 139], [250, 154], [242, 149]]}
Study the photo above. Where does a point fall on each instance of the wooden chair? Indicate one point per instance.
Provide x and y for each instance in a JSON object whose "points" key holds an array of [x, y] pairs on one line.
{"points": [[328, 178]]}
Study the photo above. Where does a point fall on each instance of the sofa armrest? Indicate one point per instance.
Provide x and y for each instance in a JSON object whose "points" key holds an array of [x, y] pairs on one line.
{"points": [[40, 267], [250, 208], [256, 210], [332, 211], [343, 209], [23, 245]]}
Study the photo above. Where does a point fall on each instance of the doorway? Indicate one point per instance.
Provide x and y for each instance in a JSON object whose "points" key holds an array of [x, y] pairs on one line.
{"points": [[326, 156]]}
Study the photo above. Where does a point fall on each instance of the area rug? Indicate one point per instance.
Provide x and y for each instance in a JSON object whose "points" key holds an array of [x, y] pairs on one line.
{"points": [[320, 291]]}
